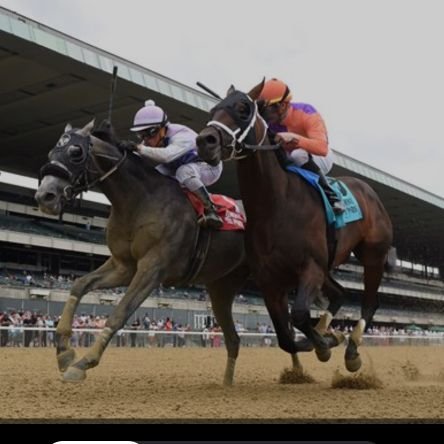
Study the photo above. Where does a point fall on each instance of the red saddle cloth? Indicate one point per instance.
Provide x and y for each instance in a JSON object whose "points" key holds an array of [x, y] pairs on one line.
{"points": [[227, 209]]}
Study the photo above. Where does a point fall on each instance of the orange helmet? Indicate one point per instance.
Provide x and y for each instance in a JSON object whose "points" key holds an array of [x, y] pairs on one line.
{"points": [[275, 91]]}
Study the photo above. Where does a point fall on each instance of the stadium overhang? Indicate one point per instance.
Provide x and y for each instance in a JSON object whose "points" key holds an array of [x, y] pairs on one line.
{"points": [[48, 79]]}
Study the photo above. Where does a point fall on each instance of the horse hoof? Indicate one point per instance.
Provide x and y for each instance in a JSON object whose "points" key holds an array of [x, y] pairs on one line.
{"points": [[74, 374], [229, 372], [353, 365], [228, 382], [323, 355], [65, 359]]}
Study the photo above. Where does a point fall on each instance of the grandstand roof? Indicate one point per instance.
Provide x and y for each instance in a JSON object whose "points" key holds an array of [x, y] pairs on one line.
{"points": [[48, 78]]}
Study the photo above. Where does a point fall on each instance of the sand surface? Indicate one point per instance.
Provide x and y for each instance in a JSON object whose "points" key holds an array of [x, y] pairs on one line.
{"points": [[186, 384]]}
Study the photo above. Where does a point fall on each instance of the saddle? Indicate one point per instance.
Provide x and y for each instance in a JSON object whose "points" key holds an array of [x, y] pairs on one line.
{"points": [[227, 209]]}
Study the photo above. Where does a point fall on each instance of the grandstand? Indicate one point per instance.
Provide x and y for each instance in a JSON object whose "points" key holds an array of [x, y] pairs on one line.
{"points": [[47, 79]]}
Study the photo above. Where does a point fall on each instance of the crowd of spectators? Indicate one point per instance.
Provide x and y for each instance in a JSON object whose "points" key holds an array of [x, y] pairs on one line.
{"points": [[39, 280], [140, 332], [64, 282], [146, 332]]}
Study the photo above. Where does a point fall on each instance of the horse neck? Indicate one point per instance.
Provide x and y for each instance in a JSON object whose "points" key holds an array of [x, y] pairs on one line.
{"points": [[133, 184], [262, 182]]}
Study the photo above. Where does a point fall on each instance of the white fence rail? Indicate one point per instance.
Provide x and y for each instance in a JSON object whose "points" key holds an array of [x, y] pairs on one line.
{"points": [[14, 336]]}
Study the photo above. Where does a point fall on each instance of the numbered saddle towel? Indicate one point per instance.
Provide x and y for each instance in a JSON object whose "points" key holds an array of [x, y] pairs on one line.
{"points": [[227, 209], [352, 209]]}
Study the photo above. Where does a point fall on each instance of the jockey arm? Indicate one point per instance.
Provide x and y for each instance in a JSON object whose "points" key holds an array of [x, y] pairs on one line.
{"points": [[177, 147], [315, 142]]}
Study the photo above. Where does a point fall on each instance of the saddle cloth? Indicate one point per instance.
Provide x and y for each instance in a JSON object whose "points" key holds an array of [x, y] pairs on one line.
{"points": [[227, 209], [352, 209]]}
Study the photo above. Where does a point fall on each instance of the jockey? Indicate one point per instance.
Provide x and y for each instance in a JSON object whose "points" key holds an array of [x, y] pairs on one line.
{"points": [[173, 148], [302, 132]]}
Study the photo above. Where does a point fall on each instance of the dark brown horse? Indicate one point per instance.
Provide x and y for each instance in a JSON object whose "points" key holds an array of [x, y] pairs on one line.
{"points": [[286, 239], [152, 235]]}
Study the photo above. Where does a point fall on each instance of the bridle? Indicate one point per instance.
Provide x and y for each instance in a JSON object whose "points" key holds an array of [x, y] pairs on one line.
{"points": [[242, 138], [77, 169]]}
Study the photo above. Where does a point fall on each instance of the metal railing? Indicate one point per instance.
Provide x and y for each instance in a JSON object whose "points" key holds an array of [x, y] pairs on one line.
{"points": [[18, 336]]}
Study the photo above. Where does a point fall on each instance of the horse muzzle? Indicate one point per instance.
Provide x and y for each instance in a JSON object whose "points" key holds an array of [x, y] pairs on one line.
{"points": [[49, 203], [50, 196], [208, 147]]}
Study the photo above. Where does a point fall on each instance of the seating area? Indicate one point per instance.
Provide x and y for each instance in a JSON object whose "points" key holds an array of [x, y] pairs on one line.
{"points": [[53, 229], [394, 282]]}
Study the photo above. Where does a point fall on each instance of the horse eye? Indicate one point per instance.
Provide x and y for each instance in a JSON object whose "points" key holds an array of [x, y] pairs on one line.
{"points": [[243, 111], [75, 152]]}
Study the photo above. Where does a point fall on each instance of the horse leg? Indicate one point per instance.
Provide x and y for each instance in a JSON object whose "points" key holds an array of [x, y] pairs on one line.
{"points": [[310, 282], [222, 293], [370, 303], [143, 282], [109, 275], [277, 306], [335, 293]]}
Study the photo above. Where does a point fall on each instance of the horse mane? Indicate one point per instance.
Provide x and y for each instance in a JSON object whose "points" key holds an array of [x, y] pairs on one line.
{"points": [[280, 152], [139, 166], [105, 131]]}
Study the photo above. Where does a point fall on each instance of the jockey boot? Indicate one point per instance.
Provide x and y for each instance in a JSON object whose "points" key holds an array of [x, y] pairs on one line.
{"points": [[210, 218], [335, 202]]}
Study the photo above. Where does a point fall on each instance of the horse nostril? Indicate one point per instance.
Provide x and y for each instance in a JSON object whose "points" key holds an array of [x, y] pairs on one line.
{"points": [[206, 141], [211, 140]]}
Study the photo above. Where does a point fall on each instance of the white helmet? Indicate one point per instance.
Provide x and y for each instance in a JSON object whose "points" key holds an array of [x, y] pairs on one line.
{"points": [[148, 116]]}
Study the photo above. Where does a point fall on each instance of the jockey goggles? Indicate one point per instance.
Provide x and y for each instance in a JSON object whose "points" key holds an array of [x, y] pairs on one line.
{"points": [[148, 132]]}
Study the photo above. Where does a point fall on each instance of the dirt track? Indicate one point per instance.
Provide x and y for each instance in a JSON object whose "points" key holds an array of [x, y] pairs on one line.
{"points": [[186, 383]]}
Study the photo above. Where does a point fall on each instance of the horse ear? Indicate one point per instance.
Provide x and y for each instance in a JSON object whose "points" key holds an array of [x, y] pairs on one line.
{"points": [[68, 127], [86, 130], [231, 90], [256, 91]]}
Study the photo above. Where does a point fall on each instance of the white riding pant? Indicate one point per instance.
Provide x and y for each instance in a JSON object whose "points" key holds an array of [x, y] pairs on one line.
{"points": [[197, 174], [300, 156]]}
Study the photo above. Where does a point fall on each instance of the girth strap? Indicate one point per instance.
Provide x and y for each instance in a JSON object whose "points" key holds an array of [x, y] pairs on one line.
{"points": [[199, 257]]}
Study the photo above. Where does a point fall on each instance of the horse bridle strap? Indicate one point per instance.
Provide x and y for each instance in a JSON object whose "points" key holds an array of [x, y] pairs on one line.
{"points": [[234, 133], [111, 171], [276, 146], [74, 189], [58, 169], [236, 147], [237, 144]]}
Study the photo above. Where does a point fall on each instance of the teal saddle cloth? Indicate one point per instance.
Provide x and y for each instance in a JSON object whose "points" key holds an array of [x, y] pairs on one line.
{"points": [[352, 209]]}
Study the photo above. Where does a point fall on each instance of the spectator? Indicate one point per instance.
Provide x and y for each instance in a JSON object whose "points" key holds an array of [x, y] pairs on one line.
{"points": [[205, 337], [134, 326], [5, 321]]}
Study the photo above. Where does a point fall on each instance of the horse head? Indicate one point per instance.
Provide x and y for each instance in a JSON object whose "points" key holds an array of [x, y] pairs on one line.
{"points": [[77, 163], [235, 123]]}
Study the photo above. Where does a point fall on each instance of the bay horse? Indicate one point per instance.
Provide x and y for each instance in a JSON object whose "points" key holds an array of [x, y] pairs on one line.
{"points": [[152, 234], [286, 239]]}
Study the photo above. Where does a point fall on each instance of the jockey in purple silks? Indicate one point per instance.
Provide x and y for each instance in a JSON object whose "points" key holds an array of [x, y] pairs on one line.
{"points": [[173, 148]]}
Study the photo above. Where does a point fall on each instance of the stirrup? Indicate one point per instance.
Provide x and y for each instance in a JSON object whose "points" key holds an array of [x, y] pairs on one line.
{"points": [[210, 222]]}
